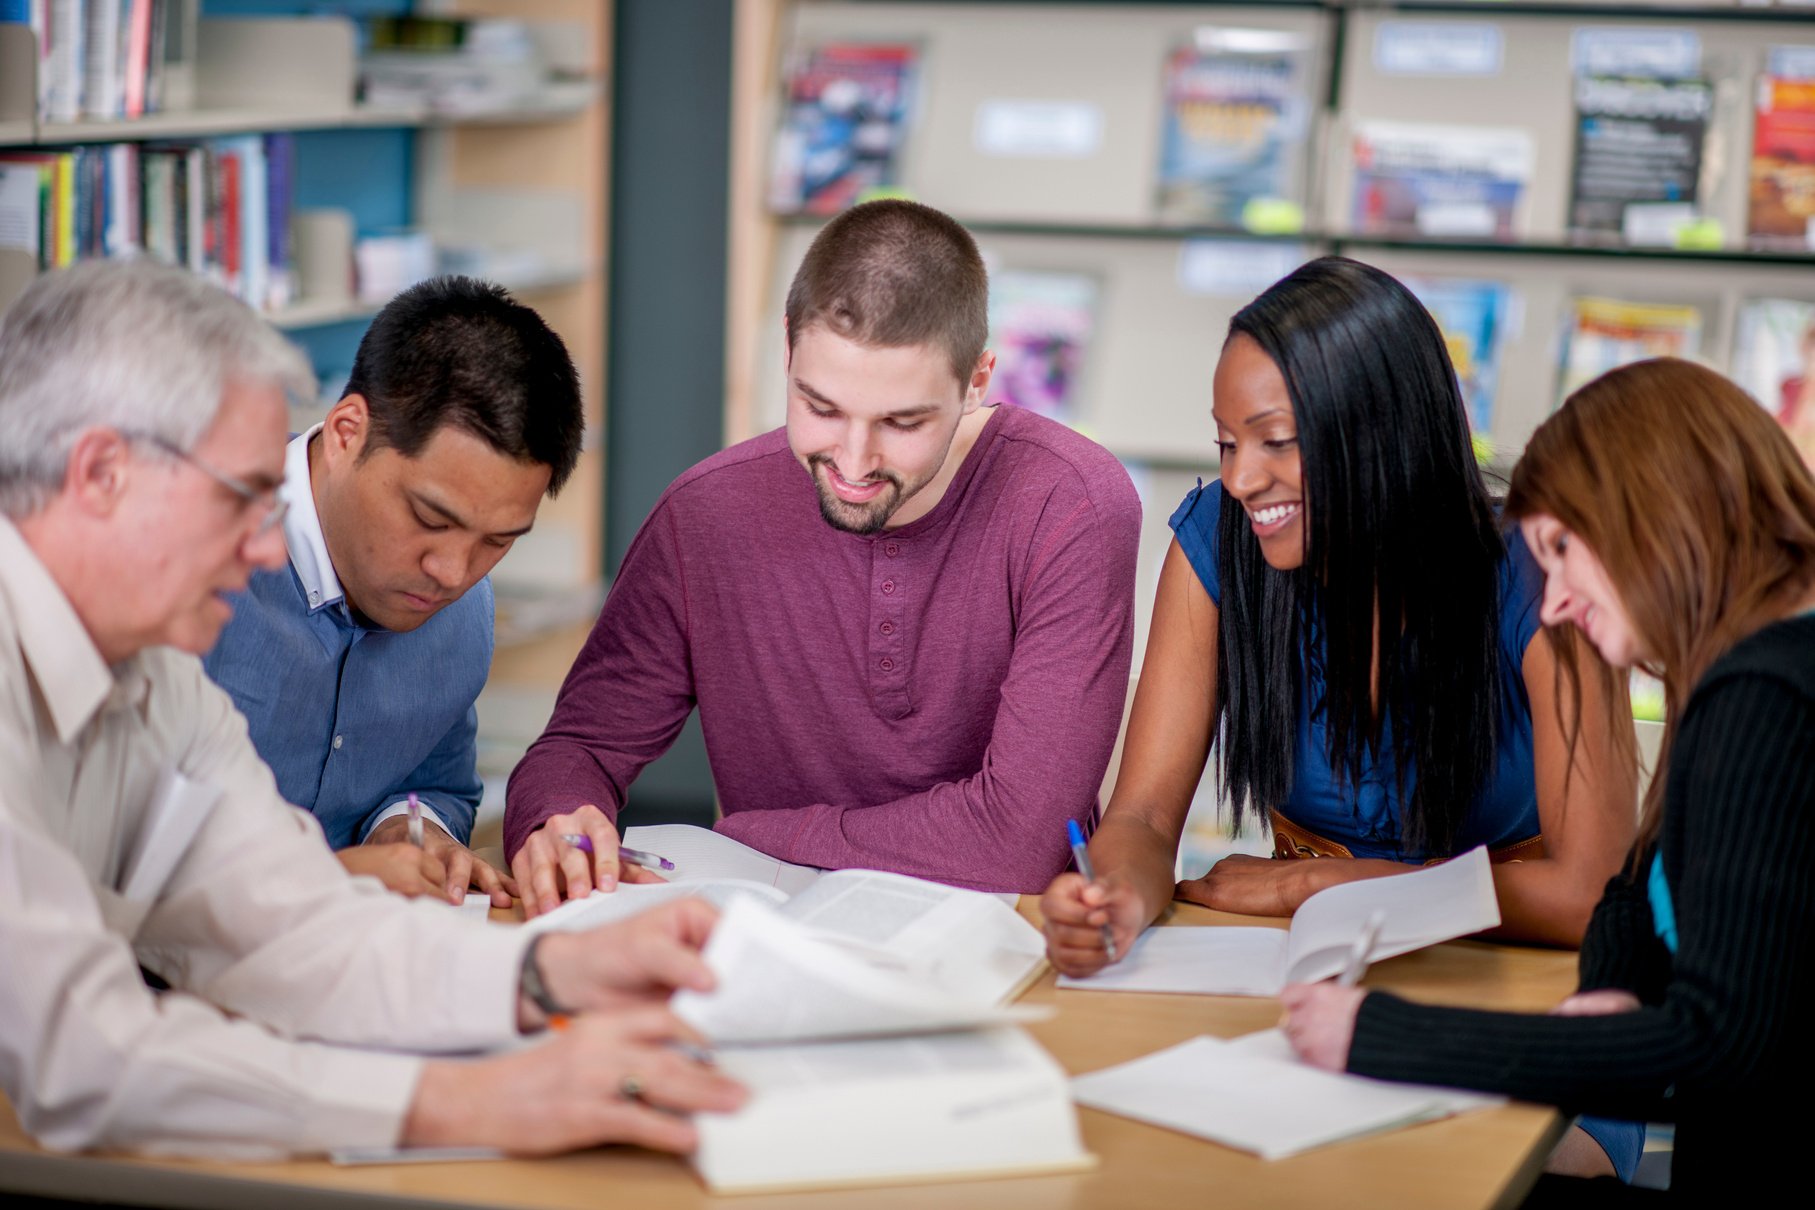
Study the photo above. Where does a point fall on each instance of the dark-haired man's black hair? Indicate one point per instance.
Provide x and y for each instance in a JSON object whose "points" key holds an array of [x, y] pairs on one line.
{"points": [[462, 352], [1402, 550]]}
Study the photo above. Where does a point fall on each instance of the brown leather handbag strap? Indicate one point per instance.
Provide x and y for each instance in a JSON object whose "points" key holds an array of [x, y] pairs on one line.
{"points": [[1292, 841]]}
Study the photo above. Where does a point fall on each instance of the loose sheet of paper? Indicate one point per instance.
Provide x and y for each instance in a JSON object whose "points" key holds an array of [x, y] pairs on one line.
{"points": [[179, 808], [1208, 961], [634, 898], [1216, 1090], [703, 853]]}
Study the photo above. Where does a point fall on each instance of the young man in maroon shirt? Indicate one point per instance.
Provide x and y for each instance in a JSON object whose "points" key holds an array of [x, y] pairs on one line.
{"points": [[905, 619]]}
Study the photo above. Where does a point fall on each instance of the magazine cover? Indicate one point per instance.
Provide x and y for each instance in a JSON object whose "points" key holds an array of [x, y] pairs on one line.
{"points": [[1039, 325], [1472, 316], [1781, 214], [1233, 127], [1774, 359], [1638, 158], [1602, 333], [1458, 182], [842, 127]]}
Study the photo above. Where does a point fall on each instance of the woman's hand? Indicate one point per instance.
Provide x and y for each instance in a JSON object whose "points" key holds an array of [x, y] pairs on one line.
{"points": [[1601, 1002], [1251, 886], [1073, 913], [1320, 1022]]}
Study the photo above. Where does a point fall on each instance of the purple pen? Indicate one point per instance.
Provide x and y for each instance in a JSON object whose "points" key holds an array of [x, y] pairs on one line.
{"points": [[649, 861]]}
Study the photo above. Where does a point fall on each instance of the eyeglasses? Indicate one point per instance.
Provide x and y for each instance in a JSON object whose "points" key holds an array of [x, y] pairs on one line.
{"points": [[250, 497]]}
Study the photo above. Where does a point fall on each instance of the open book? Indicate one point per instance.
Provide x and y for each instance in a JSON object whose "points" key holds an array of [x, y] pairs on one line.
{"points": [[1255, 1095], [1431, 905]]}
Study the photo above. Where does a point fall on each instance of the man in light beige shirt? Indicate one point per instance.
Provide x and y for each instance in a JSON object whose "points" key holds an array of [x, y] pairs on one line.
{"points": [[144, 420]]}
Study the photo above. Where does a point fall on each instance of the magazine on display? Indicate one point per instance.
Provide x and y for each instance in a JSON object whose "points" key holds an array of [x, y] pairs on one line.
{"points": [[1603, 333], [1638, 159], [843, 124], [1457, 182], [1040, 325], [1234, 125], [1781, 209], [1474, 317], [1774, 360]]}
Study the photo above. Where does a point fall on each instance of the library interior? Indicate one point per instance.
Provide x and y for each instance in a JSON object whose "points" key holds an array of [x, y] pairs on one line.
{"points": [[963, 865]]}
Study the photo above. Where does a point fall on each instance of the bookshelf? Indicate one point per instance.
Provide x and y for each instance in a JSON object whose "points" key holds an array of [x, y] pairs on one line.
{"points": [[524, 186], [1143, 383]]}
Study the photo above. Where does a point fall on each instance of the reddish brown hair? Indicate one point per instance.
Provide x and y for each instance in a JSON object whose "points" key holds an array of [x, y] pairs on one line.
{"points": [[1696, 504], [893, 273]]}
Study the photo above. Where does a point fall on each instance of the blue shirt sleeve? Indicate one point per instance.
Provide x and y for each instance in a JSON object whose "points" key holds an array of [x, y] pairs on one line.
{"points": [[1194, 523], [1521, 599]]}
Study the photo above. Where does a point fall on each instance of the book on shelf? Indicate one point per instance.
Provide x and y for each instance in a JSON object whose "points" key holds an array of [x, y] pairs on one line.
{"points": [[1774, 360], [105, 59], [1423, 908], [1473, 317], [1600, 334], [1233, 127], [843, 124], [1040, 326], [1780, 212], [1254, 1094], [220, 207], [1416, 180], [1638, 159]]}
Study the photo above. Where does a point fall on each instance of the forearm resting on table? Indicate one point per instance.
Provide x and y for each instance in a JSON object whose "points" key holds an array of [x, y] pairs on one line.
{"points": [[1545, 901]]}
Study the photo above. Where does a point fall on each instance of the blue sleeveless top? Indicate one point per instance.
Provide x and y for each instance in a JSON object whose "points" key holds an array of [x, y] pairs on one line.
{"points": [[1366, 818]]}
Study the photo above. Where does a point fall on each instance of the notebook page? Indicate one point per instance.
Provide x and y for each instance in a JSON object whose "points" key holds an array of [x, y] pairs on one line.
{"points": [[967, 941], [779, 982], [703, 853], [631, 898], [1420, 908], [1273, 1044], [1208, 1088], [1203, 960]]}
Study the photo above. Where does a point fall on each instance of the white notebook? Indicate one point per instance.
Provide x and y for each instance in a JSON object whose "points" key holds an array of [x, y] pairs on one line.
{"points": [[1248, 1095], [1418, 909]]}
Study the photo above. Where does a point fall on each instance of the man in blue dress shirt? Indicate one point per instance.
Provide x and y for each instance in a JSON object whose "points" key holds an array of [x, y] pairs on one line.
{"points": [[358, 663]]}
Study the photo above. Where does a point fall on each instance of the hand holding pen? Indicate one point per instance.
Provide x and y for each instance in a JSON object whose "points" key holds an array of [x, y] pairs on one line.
{"points": [[551, 868]]}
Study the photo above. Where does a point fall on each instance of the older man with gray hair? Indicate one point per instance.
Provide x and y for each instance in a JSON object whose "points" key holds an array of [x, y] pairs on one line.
{"points": [[144, 420]]}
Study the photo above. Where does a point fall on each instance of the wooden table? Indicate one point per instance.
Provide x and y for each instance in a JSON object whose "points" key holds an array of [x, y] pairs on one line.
{"points": [[1480, 1160]]}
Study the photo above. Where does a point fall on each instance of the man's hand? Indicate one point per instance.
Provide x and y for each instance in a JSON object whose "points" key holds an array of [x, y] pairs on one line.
{"points": [[1073, 913], [403, 868], [1251, 886], [1320, 1022], [549, 868], [462, 866], [634, 962], [606, 1078]]}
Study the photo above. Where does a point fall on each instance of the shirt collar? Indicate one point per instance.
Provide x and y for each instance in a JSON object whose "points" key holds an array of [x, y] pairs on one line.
{"points": [[302, 528], [72, 677]]}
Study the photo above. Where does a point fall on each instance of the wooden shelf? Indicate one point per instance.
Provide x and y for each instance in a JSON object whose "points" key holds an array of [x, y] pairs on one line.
{"points": [[308, 313]]}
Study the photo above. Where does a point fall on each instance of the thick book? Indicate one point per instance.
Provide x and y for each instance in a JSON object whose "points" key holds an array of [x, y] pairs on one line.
{"points": [[1040, 326], [1424, 181], [1422, 908], [1232, 131], [844, 122], [1774, 360], [964, 1105], [1600, 334], [1254, 1094], [1638, 159], [1781, 210]]}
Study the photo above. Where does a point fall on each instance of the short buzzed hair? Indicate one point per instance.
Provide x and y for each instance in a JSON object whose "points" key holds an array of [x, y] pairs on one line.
{"points": [[894, 273], [462, 352]]}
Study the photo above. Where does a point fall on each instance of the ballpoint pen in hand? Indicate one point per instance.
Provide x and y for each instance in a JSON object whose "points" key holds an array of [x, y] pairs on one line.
{"points": [[415, 820], [1364, 949], [649, 861], [1081, 855]]}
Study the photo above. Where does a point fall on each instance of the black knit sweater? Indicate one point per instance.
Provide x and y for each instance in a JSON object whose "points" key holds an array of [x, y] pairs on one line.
{"points": [[1725, 1043]]}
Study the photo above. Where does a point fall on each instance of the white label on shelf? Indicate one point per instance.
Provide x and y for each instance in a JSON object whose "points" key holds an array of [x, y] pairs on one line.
{"points": [[1039, 129], [1791, 62], [1655, 224], [1438, 48], [1606, 50], [1234, 268]]}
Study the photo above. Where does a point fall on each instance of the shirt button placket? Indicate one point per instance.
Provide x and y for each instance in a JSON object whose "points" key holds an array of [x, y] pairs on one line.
{"points": [[888, 655]]}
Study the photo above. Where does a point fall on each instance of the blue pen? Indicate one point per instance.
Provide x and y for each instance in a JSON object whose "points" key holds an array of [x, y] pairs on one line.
{"points": [[1081, 855]]}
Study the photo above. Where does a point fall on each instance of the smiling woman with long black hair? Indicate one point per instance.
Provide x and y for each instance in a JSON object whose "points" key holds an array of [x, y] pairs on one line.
{"points": [[1347, 612]]}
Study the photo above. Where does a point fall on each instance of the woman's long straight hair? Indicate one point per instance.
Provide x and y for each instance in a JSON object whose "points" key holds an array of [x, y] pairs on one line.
{"points": [[1397, 602], [1697, 505]]}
